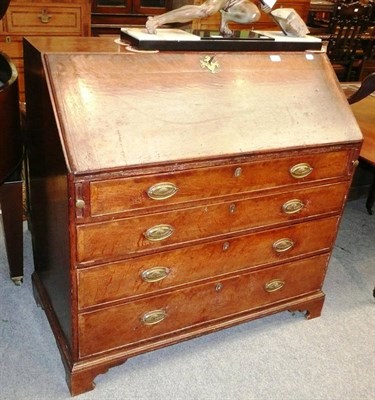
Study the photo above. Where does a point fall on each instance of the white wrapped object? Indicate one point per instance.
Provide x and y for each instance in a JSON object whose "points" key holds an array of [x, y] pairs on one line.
{"points": [[290, 22]]}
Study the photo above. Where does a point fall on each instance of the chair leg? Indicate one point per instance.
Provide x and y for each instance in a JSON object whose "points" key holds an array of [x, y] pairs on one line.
{"points": [[371, 197], [12, 213]]}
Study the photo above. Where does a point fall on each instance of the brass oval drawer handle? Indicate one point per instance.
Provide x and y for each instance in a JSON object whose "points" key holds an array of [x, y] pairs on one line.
{"points": [[153, 317], [44, 17], [301, 170], [293, 206], [155, 274], [162, 191], [282, 245], [272, 286], [159, 232]]}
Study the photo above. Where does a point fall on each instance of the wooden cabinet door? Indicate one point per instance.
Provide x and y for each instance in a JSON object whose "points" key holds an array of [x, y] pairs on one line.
{"points": [[130, 6], [111, 6], [151, 7]]}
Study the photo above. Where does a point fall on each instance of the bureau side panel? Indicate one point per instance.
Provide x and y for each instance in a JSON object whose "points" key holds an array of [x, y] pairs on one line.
{"points": [[48, 194]]}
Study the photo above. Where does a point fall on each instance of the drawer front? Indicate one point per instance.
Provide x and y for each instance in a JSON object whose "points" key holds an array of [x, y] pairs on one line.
{"points": [[43, 19], [117, 239], [119, 195], [185, 309], [12, 46], [152, 273]]}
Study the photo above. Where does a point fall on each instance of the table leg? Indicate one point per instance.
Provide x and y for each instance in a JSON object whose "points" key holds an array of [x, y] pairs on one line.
{"points": [[371, 197], [12, 213]]}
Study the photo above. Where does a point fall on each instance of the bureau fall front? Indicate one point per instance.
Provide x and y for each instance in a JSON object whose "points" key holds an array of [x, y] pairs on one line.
{"points": [[168, 201]]}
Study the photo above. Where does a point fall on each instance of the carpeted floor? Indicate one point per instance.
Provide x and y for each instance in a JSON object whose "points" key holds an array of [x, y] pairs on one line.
{"points": [[282, 357]]}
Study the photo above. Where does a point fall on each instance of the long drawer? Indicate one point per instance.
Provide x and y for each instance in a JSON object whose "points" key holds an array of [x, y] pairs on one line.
{"points": [[120, 238], [152, 273], [49, 18], [134, 322], [152, 191]]}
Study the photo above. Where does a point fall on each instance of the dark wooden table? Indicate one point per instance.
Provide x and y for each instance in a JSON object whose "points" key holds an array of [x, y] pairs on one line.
{"points": [[364, 112]]}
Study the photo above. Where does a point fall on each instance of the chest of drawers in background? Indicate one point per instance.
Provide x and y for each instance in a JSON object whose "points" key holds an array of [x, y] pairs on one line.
{"points": [[169, 205], [41, 18]]}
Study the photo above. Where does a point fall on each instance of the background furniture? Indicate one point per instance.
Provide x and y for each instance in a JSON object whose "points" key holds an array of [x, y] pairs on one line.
{"points": [[319, 15], [150, 227], [363, 105], [349, 46], [41, 17], [369, 64], [10, 168], [109, 16], [366, 119], [107, 19], [265, 22]]}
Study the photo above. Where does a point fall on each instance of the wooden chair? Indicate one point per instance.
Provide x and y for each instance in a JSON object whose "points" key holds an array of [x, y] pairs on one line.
{"points": [[367, 87], [348, 47]]}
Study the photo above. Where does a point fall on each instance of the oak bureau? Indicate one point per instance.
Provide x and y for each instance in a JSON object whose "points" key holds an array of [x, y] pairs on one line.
{"points": [[168, 201]]}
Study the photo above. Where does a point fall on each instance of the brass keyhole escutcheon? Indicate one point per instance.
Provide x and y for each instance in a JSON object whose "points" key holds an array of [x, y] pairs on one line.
{"points": [[232, 208], [238, 172], [210, 63], [226, 246], [219, 287]]}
